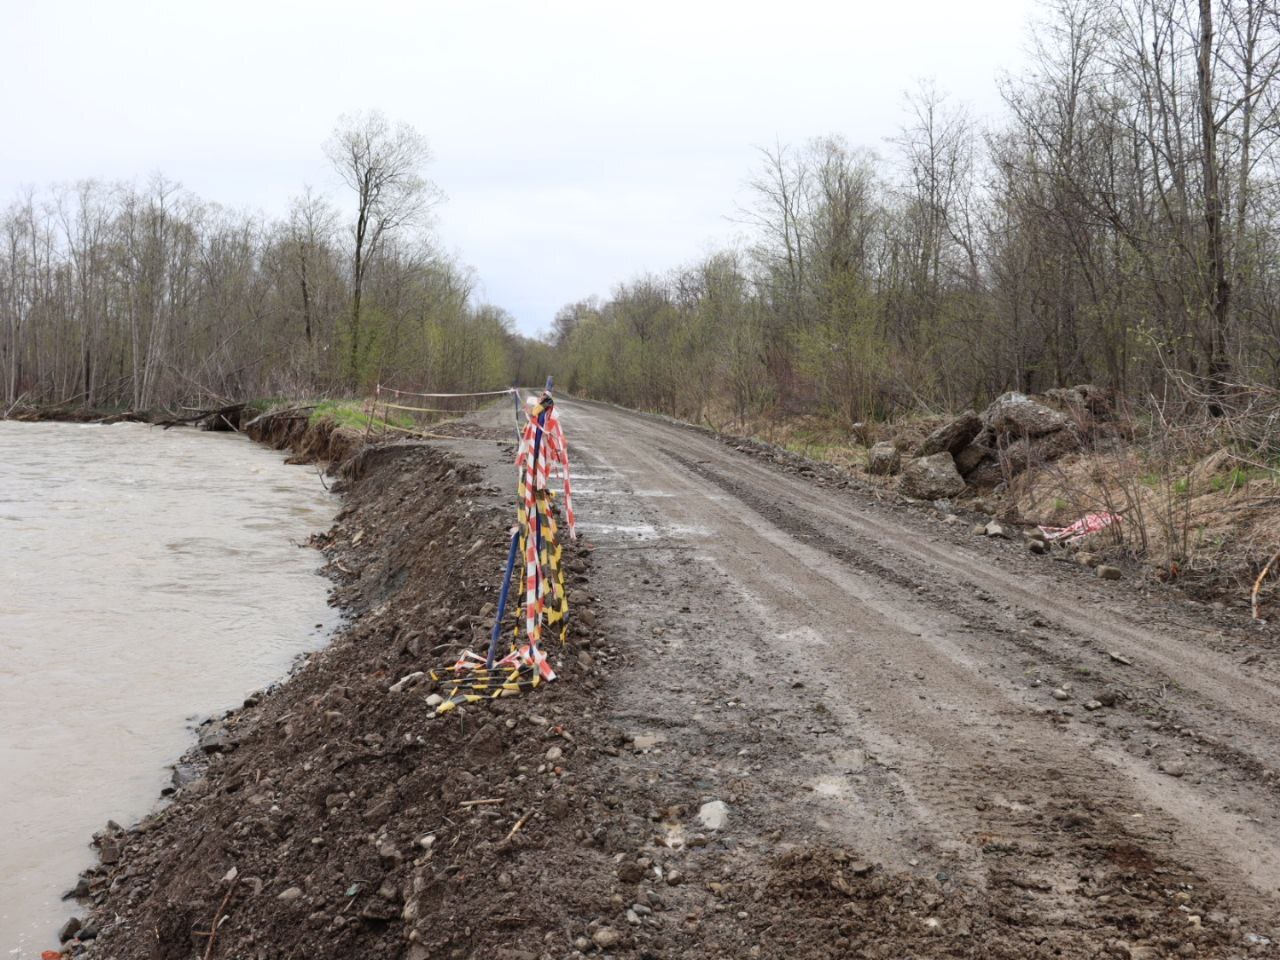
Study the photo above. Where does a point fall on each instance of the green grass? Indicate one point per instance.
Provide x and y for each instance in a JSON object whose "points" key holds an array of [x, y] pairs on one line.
{"points": [[1240, 477], [351, 413]]}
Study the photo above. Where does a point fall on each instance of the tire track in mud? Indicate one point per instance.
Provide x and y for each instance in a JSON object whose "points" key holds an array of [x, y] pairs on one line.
{"points": [[1071, 808]]}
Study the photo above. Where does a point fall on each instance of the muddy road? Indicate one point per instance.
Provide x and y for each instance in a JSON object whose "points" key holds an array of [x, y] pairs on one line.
{"points": [[842, 670]]}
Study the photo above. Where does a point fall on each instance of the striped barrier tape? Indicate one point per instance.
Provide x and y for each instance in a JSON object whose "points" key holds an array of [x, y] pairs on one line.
{"points": [[543, 454], [1089, 523]]}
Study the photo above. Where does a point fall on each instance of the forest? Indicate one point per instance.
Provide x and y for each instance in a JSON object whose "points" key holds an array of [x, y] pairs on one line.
{"points": [[1117, 226], [145, 296]]}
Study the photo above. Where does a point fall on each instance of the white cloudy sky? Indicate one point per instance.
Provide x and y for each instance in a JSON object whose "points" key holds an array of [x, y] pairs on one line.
{"points": [[578, 143]]}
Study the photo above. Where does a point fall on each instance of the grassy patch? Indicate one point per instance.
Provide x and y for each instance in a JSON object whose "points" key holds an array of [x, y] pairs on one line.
{"points": [[351, 413]]}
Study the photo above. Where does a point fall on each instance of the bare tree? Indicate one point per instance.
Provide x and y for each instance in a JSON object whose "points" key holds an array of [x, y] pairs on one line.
{"points": [[381, 163]]}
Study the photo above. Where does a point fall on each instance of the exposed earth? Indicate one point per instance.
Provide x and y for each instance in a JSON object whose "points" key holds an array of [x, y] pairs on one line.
{"points": [[798, 717]]}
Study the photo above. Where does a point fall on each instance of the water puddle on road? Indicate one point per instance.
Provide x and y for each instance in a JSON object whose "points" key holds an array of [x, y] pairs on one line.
{"points": [[147, 578]]}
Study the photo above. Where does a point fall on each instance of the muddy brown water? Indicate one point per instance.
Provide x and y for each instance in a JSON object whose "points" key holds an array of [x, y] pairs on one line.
{"points": [[148, 578]]}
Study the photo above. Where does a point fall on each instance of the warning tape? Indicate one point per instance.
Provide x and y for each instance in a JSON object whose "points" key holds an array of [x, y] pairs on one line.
{"points": [[543, 454], [410, 393]]}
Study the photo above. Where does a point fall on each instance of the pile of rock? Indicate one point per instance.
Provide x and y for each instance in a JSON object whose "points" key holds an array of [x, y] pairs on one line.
{"points": [[983, 450]]}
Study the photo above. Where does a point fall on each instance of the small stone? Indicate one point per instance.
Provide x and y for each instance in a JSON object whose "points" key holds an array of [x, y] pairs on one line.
{"points": [[435, 700], [1174, 768], [582, 944], [994, 529], [427, 842], [606, 937], [1037, 546], [1093, 705], [979, 530], [675, 878], [554, 754], [714, 815], [1060, 694], [404, 683], [630, 872], [632, 918], [293, 893], [69, 930], [230, 875], [1108, 573]]}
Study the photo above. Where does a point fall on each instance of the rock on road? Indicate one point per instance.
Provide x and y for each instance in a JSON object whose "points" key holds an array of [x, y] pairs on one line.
{"points": [[843, 667]]}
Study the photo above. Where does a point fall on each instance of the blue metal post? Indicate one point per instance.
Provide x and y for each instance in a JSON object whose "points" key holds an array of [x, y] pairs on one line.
{"points": [[502, 601]]}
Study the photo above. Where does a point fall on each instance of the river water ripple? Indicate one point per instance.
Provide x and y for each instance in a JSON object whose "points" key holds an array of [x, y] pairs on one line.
{"points": [[148, 578]]}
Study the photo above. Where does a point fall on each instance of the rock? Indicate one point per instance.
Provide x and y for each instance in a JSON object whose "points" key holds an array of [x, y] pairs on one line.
{"points": [[883, 459], [1174, 768], [972, 457], [606, 937], [674, 878], [1086, 559], [554, 754], [1037, 546], [1093, 705], [932, 478], [1018, 415], [979, 530], [1108, 573], [630, 872], [215, 739], [404, 683], [952, 437], [714, 815], [994, 529], [69, 930], [292, 893], [435, 700], [1060, 694], [86, 933]]}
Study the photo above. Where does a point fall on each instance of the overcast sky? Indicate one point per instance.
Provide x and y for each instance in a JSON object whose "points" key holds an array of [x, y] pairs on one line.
{"points": [[578, 143]]}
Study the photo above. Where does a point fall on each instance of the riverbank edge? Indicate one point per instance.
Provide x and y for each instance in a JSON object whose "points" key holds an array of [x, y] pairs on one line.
{"points": [[290, 429]]}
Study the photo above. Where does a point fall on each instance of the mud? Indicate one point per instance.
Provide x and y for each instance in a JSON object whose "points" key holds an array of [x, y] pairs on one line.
{"points": [[866, 694]]}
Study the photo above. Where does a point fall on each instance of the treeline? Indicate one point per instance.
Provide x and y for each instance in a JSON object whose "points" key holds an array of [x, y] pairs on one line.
{"points": [[113, 294], [1120, 224]]}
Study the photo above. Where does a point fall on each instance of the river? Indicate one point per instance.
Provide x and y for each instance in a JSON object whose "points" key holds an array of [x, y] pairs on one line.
{"points": [[148, 578]]}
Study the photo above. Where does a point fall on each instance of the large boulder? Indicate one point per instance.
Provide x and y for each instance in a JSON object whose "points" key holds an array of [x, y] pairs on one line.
{"points": [[1082, 398], [952, 437], [1017, 415], [883, 459], [1021, 454], [932, 478], [972, 457]]}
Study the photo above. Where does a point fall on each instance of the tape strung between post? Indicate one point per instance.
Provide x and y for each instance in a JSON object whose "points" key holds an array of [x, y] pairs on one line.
{"points": [[410, 393], [543, 454]]}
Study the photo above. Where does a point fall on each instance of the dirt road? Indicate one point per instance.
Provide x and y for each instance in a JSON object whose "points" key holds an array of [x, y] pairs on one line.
{"points": [[850, 672]]}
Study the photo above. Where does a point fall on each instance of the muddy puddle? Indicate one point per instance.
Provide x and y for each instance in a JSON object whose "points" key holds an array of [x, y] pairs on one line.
{"points": [[148, 578]]}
